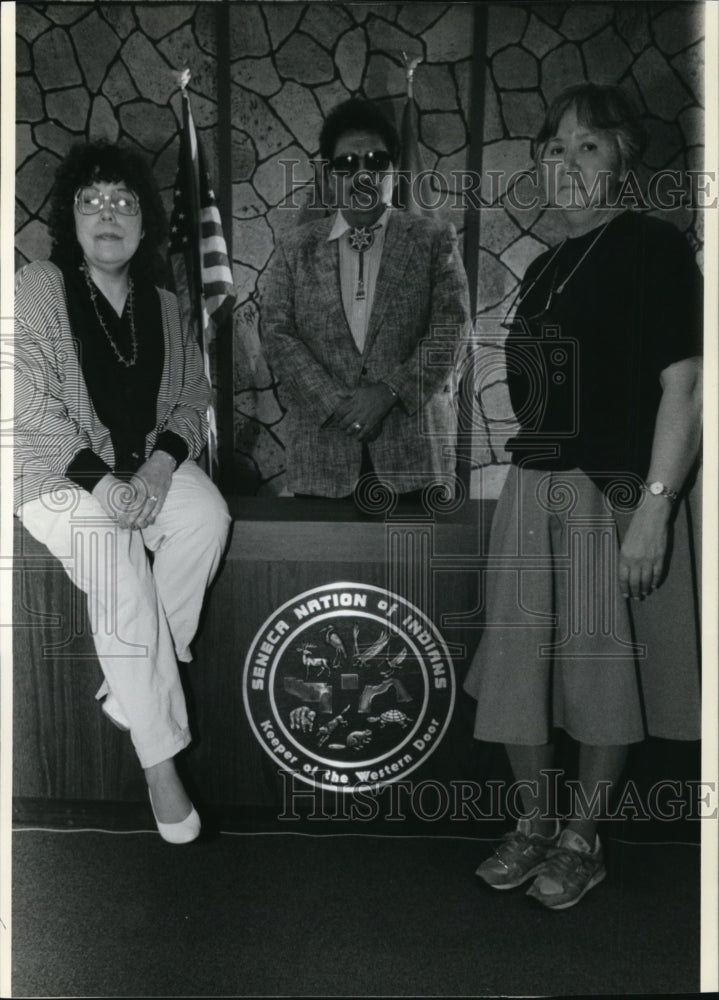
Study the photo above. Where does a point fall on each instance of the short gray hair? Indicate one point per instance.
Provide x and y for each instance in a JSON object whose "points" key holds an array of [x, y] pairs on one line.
{"points": [[599, 106]]}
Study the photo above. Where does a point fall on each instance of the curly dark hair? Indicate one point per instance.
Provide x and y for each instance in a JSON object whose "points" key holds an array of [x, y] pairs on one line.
{"points": [[598, 106], [357, 114], [87, 163]]}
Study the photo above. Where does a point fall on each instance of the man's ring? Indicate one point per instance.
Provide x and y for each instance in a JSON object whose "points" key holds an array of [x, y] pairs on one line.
{"points": [[356, 427]]}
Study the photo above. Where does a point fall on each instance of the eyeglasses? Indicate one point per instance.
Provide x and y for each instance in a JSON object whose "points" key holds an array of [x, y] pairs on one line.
{"points": [[554, 288], [351, 163], [511, 320], [518, 324], [90, 201]]}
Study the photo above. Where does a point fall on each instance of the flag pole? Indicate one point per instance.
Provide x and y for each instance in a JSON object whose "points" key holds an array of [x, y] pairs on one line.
{"points": [[191, 172], [410, 157], [191, 155]]}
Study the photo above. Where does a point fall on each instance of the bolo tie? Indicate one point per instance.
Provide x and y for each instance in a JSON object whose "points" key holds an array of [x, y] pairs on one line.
{"points": [[361, 239]]}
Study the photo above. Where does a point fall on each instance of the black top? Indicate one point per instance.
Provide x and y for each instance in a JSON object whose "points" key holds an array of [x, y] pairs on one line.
{"points": [[125, 398], [583, 365]]}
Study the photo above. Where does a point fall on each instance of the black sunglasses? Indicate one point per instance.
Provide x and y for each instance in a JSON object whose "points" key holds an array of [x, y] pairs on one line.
{"points": [[350, 163]]}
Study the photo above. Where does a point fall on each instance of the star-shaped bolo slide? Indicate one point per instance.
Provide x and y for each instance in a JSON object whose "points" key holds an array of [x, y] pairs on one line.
{"points": [[361, 238]]}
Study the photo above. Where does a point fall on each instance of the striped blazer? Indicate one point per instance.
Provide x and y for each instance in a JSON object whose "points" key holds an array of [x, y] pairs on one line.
{"points": [[54, 415], [420, 313]]}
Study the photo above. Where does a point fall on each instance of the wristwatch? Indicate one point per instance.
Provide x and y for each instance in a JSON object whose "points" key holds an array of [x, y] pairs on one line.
{"points": [[658, 489]]}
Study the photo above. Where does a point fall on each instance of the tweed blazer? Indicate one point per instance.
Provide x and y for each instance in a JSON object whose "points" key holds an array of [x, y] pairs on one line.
{"points": [[54, 415], [419, 315]]}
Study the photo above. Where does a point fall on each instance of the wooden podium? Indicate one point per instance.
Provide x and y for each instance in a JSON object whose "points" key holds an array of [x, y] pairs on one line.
{"points": [[65, 750], [71, 765]]}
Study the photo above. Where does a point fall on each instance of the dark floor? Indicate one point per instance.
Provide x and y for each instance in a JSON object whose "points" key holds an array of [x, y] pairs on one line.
{"points": [[272, 914]]}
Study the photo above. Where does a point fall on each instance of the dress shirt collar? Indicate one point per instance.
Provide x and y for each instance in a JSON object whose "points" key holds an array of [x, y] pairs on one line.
{"points": [[342, 226]]}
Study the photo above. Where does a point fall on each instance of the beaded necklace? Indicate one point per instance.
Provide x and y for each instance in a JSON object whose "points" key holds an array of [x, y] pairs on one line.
{"points": [[128, 363]]}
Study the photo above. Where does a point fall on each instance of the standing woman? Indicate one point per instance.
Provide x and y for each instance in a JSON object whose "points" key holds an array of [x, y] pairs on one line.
{"points": [[111, 403], [594, 628]]}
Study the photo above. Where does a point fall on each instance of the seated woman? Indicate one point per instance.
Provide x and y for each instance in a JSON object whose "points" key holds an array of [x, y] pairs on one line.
{"points": [[110, 413]]}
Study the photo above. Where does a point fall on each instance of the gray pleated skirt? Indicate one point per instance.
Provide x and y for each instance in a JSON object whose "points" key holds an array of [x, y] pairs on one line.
{"points": [[560, 646]]}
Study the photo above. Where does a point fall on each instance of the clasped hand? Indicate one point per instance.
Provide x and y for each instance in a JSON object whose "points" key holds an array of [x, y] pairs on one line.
{"points": [[137, 503], [359, 413]]}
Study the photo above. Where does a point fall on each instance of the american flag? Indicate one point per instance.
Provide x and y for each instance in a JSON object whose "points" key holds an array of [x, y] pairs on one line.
{"points": [[410, 160], [198, 255]]}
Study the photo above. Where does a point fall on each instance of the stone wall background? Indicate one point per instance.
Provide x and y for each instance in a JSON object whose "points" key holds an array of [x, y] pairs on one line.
{"points": [[107, 69]]}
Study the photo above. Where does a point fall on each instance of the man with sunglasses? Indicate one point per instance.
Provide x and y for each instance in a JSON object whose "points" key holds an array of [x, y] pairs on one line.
{"points": [[363, 313]]}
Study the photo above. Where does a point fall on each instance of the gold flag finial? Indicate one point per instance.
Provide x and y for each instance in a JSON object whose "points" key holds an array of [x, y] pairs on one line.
{"points": [[183, 77], [411, 62]]}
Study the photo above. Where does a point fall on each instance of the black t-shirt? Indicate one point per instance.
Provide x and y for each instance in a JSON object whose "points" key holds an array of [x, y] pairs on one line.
{"points": [[125, 398], [583, 365]]}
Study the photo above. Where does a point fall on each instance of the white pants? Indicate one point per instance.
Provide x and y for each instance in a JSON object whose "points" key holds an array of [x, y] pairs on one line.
{"points": [[143, 617]]}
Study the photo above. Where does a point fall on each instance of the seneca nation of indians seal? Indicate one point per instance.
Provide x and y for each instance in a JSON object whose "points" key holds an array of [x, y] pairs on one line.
{"points": [[348, 685]]}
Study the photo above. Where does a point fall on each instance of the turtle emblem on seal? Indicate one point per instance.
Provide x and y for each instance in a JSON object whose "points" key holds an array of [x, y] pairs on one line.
{"points": [[390, 716]]}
